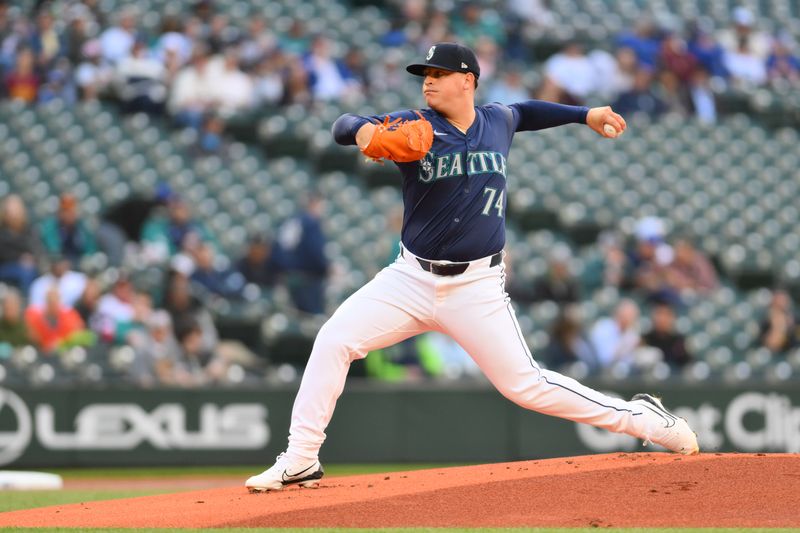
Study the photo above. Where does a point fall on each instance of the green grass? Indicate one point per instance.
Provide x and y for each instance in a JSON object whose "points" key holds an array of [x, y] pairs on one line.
{"points": [[416, 530], [15, 500]]}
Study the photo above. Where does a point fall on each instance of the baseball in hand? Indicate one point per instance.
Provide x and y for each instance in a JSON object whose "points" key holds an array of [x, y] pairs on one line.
{"points": [[610, 130]]}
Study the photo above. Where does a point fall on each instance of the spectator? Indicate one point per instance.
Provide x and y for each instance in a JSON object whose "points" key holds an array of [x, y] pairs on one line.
{"points": [[22, 83], [46, 43], [708, 51], [92, 77], [174, 40], [297, 83], [328, 78], [192, 93], [691, 272], [221, 34], [747, 68], [743, 34], [488, 54], [663, 336], [558, 285], [203, 11], [608, 267], [67, 234], [89, 301], [269, 79], [19, 249], [52, 326], [508, 90], [676, 58], [70, 283], [534, 13], [14, 40], [165, 235], [115, 310], [258, 264], [184, 308], [389, 72], [648, 260], [568, 343], [140, 82], [211, 140], [572, 72], [396, 35], [779, 329], [475, 23], [77, 33], [117, 41], [257, 44], [13, 331], [644, 41], [125, 220], [617, 72], [58, 84], [701, 96], [158, 355], [134, 331], [437, 30], [296, 41], [782, 64], [615, 339], [216, 279], [197, 365], [640, 99], [302, 246], [233, 90], [354, 67]]}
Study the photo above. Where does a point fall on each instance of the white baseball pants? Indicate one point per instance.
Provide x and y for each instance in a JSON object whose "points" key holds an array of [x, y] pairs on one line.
{"points": [[404, 300]]}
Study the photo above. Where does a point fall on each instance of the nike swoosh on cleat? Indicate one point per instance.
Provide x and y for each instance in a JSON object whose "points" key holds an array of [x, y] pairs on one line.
{"points": [[287, 475]]}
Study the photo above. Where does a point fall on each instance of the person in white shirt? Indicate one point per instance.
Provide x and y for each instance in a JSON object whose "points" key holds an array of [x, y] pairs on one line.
{"points": [[746, 67], [572, 71], [140, 81], [759, 43], [327, 79], [616, 339], [117, 41], [69, 282], [192, 91], [233, 91]]}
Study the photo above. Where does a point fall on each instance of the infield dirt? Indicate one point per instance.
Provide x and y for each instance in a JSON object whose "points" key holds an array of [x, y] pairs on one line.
{"points": [[622, 490]]}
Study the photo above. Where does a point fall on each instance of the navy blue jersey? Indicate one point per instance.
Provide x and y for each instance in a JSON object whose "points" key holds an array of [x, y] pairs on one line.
{"points": [[455, 198]]}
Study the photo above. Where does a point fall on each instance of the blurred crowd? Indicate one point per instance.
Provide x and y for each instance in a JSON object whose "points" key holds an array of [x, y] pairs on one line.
{"points": [[54, 297], [201, 69]]}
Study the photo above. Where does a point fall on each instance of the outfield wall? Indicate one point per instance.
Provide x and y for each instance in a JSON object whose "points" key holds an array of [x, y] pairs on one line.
{"points": [[81, 427]]}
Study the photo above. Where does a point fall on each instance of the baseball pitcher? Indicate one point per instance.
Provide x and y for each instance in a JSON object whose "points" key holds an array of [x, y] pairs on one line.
{"points": [[449, 276]]}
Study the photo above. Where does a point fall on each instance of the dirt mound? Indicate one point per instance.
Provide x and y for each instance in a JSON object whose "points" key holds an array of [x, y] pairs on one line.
{"points": [[626, 490]]}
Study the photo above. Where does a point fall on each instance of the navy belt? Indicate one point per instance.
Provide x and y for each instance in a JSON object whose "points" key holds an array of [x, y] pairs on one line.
{"points": [[453, 269]]}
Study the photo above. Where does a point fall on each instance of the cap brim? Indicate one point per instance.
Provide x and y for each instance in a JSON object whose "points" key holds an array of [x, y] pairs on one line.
{"points": [[418, 69]]}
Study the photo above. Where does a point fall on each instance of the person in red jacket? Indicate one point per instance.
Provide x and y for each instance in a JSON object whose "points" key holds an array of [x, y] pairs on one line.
{"points": [[52, 325]]}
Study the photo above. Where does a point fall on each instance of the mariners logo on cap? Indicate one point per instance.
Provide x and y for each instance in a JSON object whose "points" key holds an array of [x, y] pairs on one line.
{"points": [[430, 53]]}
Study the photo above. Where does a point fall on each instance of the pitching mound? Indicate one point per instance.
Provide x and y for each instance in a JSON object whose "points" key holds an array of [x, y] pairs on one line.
{"points": [[641, 489]]}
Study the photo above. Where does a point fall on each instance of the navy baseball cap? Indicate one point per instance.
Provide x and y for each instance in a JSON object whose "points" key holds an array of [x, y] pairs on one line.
{"points": [[448, 56]]}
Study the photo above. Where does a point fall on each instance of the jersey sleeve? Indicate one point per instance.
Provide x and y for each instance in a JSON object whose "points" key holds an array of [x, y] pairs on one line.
{"points": [[346, 126], [533, 115]]}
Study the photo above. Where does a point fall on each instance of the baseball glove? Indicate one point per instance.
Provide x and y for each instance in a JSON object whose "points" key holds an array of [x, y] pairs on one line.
{"points": [[400, 140]]}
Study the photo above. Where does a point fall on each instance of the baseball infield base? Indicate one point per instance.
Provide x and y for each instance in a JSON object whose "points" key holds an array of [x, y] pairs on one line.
{"points": [[624, 490]]}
